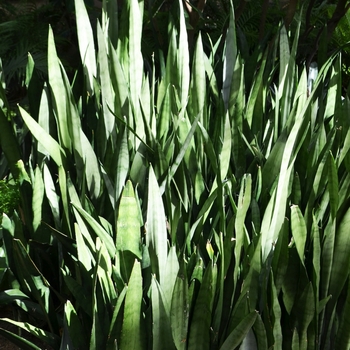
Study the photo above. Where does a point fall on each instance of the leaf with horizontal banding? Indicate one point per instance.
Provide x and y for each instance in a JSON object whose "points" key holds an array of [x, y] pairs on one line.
{"points": [[131, 336], [240, 331], [129, 223], [86, 42], [299, 231]]}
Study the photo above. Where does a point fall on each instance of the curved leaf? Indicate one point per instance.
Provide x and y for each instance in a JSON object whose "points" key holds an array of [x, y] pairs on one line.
{"points": [[240, 332]]}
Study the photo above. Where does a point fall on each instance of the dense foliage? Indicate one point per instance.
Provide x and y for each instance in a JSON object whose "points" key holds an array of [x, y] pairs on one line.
{"points": [[199, 202]]}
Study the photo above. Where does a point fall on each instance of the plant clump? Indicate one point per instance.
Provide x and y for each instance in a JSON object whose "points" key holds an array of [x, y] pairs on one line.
{"points": [[197, 201]]}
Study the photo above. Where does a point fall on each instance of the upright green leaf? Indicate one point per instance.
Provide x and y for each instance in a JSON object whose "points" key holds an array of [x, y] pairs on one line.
{"points": [[341, 263], [183, 59], [275, 314], [113, 334], [249, 342], [131, 336], [343, 335], [225, 155], [92, 168], [198, 79], [333, 186], [72, 327], [239, 333], [37, 200], [156, 234], [184, 148], [199, 333], [280, 201], [84, 254], [179, 314], [260, 333], [58, 94], [45, 115], [243, 206], [129, 223], [162, 335], [98, 229], [305, 313], [135, 61], [51, 145], [106, 83], [230, 55], [299, 231], [122, 167], [168, 281], [86, 43]]}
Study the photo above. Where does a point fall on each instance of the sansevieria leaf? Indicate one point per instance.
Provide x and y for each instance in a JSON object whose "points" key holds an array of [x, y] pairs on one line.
{"points": [[162, 335], [183, 59], [41, 334], [38, 195], [199, 333], [129, 223], [179, 314], [86, 42], [131, 336], [239, 333], [98, 229], [299, 231], [341, 259], [230, 55], [156, 234], [51, 145], [59, 94], [73, 328], [168, 280]]}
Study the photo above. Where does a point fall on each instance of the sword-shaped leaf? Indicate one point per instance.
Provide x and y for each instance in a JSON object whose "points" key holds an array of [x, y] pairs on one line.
{"points": [[161, 331], [199, 332], [129, 223], [97, 229], [299, 231], [19, 340], [38, 196], [230, 55], [131, 336], [86, 43], [72, 328], [156, 235], [239, 333], [59, 95], [179, 313]]}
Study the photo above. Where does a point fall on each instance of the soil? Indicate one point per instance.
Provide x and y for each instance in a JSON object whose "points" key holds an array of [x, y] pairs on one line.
{"points": [[6, 344]]}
